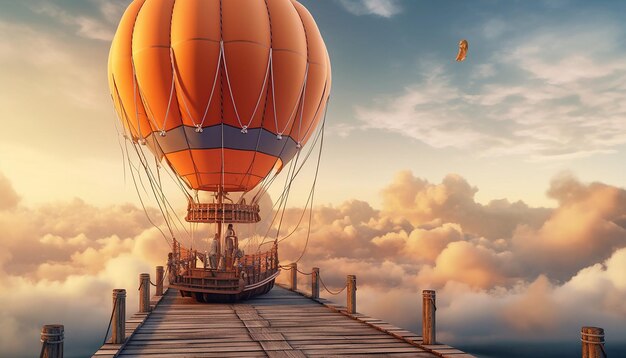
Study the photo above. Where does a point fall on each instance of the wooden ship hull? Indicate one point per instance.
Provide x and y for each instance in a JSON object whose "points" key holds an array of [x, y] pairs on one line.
{"points": [[221, 288], [238, 279]]}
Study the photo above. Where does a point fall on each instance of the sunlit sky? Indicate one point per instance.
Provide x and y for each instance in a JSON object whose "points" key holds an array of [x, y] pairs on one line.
{"points": [[539, 105], [542, 91]]}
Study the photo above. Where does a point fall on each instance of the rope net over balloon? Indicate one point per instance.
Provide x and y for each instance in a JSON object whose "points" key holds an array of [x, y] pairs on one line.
{"points": [[224, 95]]}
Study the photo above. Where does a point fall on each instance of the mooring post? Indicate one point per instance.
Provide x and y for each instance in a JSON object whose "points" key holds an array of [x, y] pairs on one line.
{"points": [[144, 293], [52, 336], [428, 316], [159, 280], [294, 276], [351, 289], [118, 324], [315, 282], [593, 342]]}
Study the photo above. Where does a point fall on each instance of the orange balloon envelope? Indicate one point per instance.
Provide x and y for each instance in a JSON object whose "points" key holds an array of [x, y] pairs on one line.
{"points": [[223, 91]]}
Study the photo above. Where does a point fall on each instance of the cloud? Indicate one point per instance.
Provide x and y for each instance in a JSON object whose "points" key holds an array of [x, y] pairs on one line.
{"points": [[8, 196], [383, 8], [537, 95], [96, 22], [499, 258], [69, 255], [524, 271]]}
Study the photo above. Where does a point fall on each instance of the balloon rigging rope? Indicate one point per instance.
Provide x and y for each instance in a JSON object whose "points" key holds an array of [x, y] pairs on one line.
{"points": [[319, 136], [156, 196], [274, 100], [267, 183], [230, 90], [162, 202], [244, 127], [256, 148], [270, 64], [137, 188], [182, 92], [282, 214], [312, 196], [150, 176], [160, 187], [280, 202], [143, 205], [299, 103], [306, 79], [217, 71], [156, 186], [292, 116], [169, 101], [317, 111]]}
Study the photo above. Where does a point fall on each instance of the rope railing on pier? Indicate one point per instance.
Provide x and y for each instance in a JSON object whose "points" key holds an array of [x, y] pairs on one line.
{"points": [[329, 291], [110, 321], [162, 278], [289, 268]]}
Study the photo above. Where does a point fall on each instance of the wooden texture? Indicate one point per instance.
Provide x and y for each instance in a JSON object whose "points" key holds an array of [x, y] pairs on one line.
{"points": [[144, 292], [315, 283], [592, 339], [52, 336], [118, 324], [279, 324], [159, 280], [351, 290], [293, 272], [428, 317]]}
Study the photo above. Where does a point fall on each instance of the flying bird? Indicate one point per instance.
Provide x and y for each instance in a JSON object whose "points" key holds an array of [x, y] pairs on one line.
{"points": [[463, 46]]}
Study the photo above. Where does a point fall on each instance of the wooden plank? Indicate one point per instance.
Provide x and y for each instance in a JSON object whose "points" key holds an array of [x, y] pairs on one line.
{"points": [[286, 354], [279, 324]]}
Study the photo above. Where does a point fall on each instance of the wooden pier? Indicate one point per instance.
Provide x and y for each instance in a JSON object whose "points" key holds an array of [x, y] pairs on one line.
{"points": [[282, 323]]}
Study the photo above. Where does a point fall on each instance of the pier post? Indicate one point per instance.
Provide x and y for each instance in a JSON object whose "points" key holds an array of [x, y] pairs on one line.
{"points": [[294, 276], [428, 317], [593, 342], [159, 280], [351, 289], [315, 282], [118, 324], [144, 293], [52, 336]]}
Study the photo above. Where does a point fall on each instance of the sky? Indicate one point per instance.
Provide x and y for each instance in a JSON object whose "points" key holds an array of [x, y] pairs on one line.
{"points": [[498, 181]]}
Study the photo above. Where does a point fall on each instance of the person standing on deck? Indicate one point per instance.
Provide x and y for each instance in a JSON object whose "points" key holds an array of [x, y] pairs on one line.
{"points": [[231, 242], [213, 252]]}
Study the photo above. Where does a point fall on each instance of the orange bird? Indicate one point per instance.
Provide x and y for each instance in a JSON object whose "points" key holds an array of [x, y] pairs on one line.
{"points": [[463, 46]]}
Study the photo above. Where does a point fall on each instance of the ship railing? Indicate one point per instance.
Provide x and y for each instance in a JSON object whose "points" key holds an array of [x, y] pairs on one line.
{"points": [[252, 268]]}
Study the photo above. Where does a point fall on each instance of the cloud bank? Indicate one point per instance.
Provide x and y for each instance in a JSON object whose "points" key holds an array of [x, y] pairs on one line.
{"points": [[491, 263], [59, 263], [502, 270]]}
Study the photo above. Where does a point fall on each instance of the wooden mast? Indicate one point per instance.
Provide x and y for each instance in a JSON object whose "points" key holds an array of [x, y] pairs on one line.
{"points": [[220, 201]]}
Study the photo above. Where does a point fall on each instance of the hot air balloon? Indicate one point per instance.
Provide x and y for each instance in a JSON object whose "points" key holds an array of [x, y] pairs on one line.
{"points": [[225, 93], [463, 47]]}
